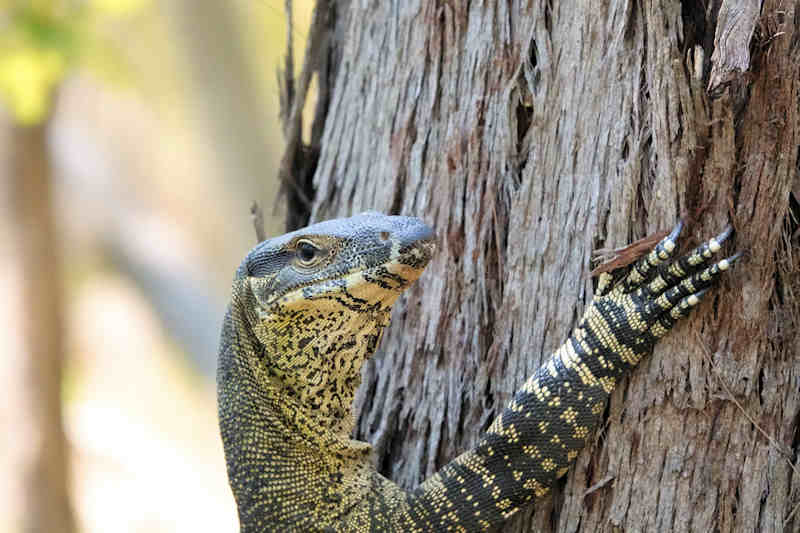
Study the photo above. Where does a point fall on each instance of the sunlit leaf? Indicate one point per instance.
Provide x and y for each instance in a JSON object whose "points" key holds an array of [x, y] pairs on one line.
{"points": [[119, 7], [43, 40], [27, 79]]}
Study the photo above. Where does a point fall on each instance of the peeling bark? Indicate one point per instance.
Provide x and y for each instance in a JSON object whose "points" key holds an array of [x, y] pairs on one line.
{"points": [[530, 134], [735, 24]]}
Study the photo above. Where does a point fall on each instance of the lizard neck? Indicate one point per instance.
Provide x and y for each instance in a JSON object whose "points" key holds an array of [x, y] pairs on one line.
{"points": [[277, 448], [306, 354]]}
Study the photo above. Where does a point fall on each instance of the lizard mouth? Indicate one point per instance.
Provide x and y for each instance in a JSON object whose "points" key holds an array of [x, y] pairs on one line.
{"points": [[414, 246], [384, 282], [418, 254], [411, 252]]}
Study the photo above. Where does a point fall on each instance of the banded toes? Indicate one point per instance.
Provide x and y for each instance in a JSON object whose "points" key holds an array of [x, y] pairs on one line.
{"points": [[689, 263], [628, 318], [534, 440], [643, 268], [677, 287]]}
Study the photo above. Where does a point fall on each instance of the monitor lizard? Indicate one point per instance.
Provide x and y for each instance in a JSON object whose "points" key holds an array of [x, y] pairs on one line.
{"points": [[308, 308]]}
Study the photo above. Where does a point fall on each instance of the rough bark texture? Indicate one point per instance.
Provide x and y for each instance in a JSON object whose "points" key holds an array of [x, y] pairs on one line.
{"points": [[529, 134]]}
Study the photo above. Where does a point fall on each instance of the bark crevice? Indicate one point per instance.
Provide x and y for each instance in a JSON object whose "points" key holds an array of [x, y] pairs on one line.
{"points": [[528, 134]]}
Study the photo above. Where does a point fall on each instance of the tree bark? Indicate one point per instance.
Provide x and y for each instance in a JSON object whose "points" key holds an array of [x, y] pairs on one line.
{"points": [[529, 135]]}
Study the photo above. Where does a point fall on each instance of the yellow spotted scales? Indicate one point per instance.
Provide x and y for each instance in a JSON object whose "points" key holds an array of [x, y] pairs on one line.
{"points": [[308, 308]]}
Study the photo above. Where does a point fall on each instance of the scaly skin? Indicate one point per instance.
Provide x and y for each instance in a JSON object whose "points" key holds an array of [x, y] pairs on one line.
{"points": [[308, 308]]}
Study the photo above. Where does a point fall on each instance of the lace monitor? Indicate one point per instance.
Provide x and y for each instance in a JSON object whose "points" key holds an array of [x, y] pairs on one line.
{"points": [[308, 308]]}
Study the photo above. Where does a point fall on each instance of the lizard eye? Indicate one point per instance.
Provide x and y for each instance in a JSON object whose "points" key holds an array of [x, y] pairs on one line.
{"points": [[307, 253]]}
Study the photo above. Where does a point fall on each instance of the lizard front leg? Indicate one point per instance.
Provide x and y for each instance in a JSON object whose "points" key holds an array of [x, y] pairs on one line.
{"points": [[534, 440]]}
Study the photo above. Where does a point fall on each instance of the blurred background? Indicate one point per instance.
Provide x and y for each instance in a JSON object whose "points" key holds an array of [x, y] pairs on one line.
{"points": [[134, 135]]}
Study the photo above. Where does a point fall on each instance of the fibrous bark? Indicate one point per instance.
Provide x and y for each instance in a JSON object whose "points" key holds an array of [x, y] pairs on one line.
{"points": [[530, 134]]}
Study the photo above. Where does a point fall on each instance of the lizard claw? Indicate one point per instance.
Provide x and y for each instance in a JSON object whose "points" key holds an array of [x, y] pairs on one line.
{"points": [[662, 252], [659, 290]]}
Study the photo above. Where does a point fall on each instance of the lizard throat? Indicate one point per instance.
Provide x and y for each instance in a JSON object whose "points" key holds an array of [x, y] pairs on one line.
{"points": [[316, 338], [317, 372]]}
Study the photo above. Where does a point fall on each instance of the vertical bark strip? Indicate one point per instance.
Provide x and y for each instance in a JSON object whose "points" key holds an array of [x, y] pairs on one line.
{"points": [[735, 24], [528, 134]]}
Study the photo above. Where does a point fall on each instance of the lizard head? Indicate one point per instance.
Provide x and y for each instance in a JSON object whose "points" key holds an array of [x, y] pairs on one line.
{"points": [[317, 300]]}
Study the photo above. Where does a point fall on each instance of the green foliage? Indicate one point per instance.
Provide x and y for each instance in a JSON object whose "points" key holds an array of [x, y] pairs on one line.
{"points": [[42, 40]]}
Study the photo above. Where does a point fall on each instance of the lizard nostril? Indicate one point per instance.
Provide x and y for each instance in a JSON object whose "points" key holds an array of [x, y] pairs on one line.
{"points": [[384, 236]]}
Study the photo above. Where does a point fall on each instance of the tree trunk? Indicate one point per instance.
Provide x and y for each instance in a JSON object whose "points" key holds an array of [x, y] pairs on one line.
{"points": [[35, 389], [528, 136]]}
